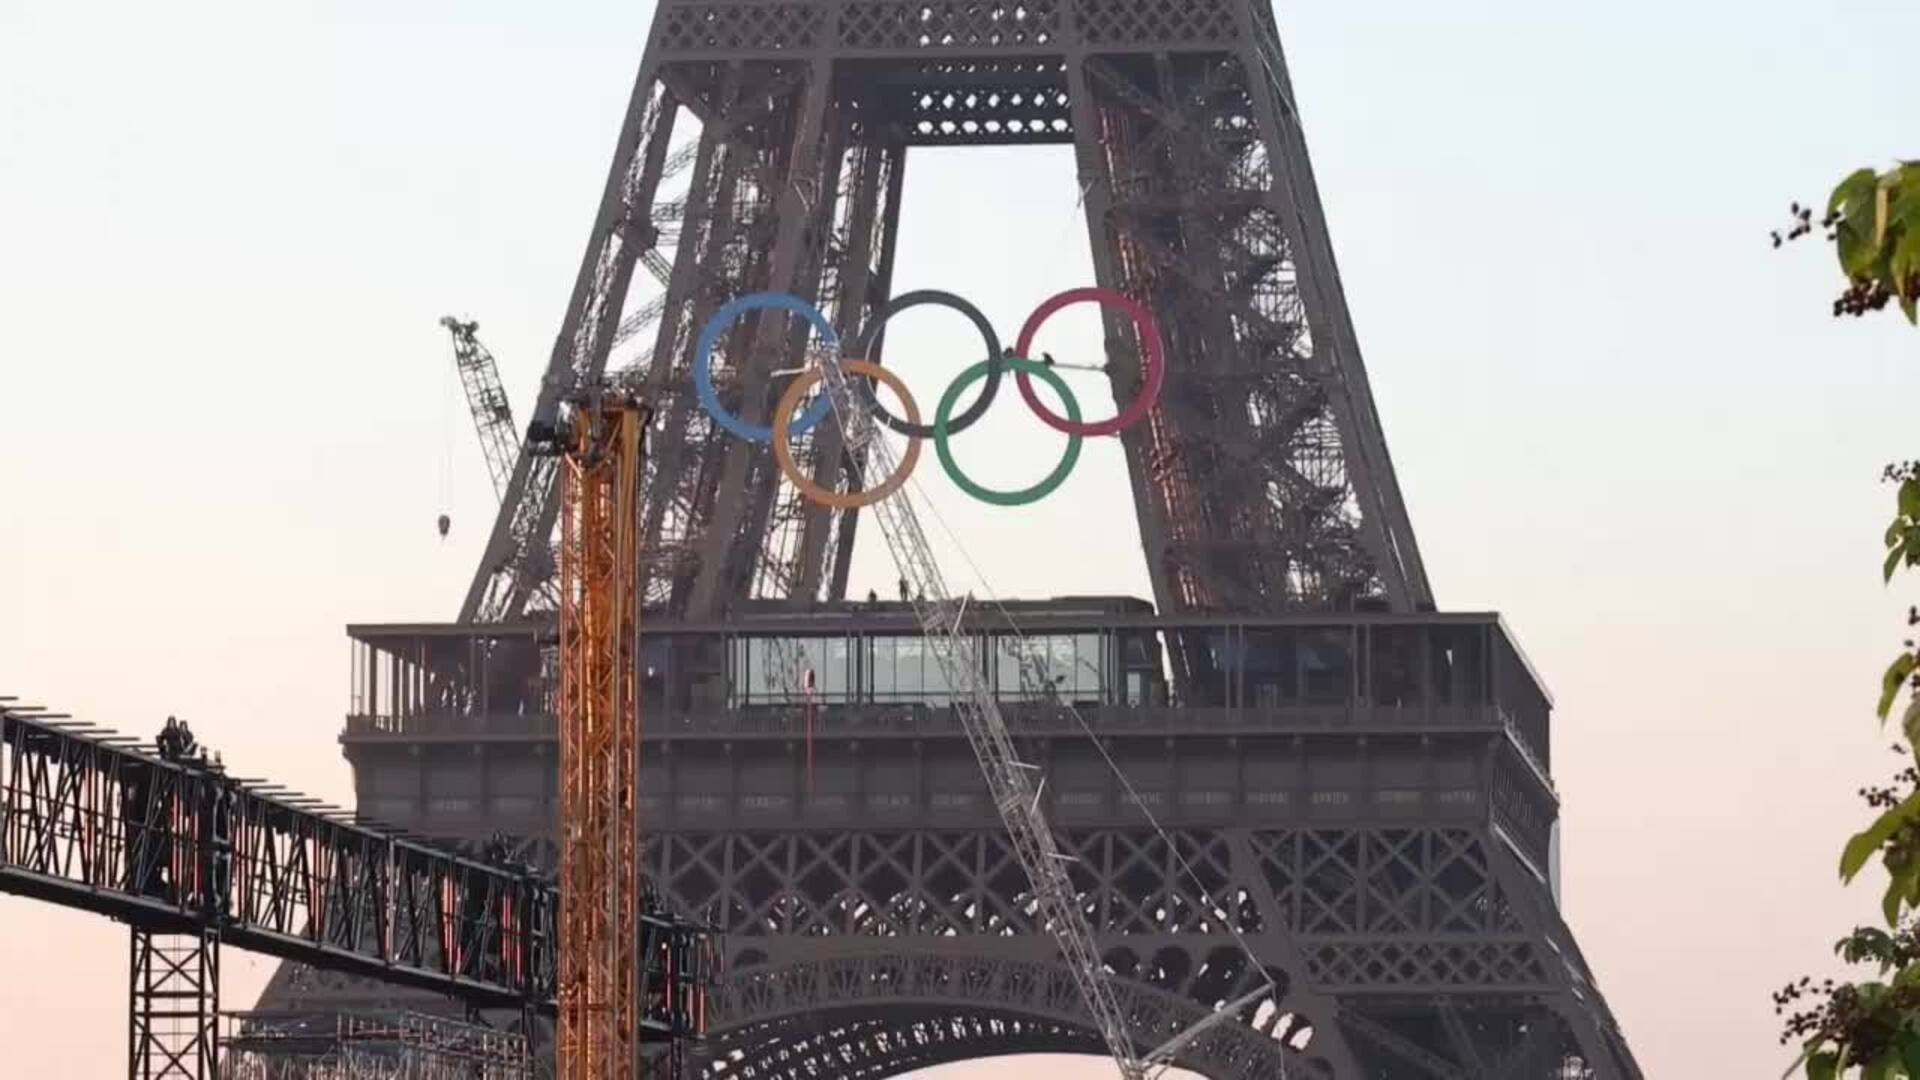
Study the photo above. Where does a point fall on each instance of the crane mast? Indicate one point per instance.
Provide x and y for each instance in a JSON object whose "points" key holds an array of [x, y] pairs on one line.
{"points": [[598, 442]]}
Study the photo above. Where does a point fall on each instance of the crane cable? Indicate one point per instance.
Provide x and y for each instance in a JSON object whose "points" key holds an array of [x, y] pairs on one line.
{"points": [[446, 460]]}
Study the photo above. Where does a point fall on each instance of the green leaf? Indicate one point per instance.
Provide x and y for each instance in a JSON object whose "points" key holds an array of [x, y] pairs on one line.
{"points": [[1910, 1052], [1910, 497], [1864, 844], [1894, 558], [1910, 724], [1891, 900], [1894, 680], [1823, 1066], [1855, 251], [1906, 242], [1906, 202], [1911, 309], [1858, 183]]}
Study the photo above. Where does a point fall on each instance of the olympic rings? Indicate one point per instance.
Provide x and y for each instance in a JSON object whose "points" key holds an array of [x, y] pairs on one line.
{"points": [[783, 438], [945, 425], [944, 450], [1153, 360], [710, 336], [870, 335]]}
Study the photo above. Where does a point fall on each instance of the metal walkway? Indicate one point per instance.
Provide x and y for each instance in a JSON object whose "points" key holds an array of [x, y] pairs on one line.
{"points": [[172, 844]]}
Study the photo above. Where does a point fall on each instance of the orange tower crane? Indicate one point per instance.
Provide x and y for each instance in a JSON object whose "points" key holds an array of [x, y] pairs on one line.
{"points": [[601, 441]]}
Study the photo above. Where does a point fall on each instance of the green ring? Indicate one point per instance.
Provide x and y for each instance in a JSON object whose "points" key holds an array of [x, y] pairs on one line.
{"points": [[974, 374]]}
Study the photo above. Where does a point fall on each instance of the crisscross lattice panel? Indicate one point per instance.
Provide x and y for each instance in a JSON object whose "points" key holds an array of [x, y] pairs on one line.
{"points": [[948, 24], [966, 102], [738, 27], [1159, 22]]}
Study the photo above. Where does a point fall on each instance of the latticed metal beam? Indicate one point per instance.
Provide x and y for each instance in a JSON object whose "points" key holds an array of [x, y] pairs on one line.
{"points": [[180, 849], [600, 444], [178, 846]]}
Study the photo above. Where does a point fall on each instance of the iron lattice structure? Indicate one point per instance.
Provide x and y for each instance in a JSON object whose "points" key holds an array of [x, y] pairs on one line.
{"points": [[599, 721], [1261, 483], [1361, 785]]}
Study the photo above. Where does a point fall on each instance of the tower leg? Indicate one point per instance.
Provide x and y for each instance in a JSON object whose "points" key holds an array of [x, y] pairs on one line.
{"points": [[173, 1006]]}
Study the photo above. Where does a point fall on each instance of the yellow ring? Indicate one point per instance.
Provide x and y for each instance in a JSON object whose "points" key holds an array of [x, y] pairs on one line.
{"points": [[783, 449]]}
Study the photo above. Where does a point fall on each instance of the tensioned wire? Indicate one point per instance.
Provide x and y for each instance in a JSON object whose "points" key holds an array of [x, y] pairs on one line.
{"points": [[1132, 793]]}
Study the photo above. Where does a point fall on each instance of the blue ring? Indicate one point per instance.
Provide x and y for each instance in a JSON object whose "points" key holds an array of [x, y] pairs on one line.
{"points": [[710, 336]]}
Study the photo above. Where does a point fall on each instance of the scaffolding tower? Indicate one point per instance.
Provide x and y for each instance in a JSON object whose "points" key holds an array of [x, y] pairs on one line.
{"points": [[369, 1046]]}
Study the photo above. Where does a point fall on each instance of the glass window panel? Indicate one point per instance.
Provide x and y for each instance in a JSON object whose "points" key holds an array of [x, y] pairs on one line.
{"points": [[833, 678], [1395, 665], [1326, 666], [911, 673], [1006, 663], [1273, 675], [935, 688], [737, 688], [881, 666], [1090, 663]]}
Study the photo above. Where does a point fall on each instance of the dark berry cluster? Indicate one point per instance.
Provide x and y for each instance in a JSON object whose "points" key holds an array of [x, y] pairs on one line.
{"points": [[1866, 295], [1802, 224], [1835, 1014]]}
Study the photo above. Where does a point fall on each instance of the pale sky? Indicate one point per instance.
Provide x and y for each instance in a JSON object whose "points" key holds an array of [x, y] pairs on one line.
{"points": [[228, 417]]}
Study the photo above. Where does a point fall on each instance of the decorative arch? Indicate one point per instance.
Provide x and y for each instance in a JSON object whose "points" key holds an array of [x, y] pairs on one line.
{"points": [[880, 1015]]}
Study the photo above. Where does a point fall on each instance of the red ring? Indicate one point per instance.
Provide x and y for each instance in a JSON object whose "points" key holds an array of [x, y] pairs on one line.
{"points": [[1153, 357]]}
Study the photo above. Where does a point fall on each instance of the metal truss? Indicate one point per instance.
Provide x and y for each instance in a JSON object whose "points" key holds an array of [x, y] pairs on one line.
{"points": [[486, 400], [599, 718], [1373, 933], [174, 1006], [1409, 951], [1262, 481], [355, 1046], [91, 822]]}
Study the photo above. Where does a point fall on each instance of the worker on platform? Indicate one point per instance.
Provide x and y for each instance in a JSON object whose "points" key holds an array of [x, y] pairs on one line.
{"points": [[168, 741]]}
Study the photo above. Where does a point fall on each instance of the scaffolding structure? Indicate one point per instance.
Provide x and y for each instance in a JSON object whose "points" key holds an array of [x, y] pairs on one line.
{"points": [[367, 1046]]}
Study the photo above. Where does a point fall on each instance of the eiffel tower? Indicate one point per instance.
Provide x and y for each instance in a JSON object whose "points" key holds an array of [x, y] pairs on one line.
{"points": [[1354, 786]]}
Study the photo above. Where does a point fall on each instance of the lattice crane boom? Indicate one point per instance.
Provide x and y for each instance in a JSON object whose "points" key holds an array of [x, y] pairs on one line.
{"points": [[1011, 783], [487, 399], [599, 445]]}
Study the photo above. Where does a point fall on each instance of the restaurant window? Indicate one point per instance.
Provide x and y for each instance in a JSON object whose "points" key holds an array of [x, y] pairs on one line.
{"points": [[773, 671], [1063, 667], [1326, 666], [906, 670]]}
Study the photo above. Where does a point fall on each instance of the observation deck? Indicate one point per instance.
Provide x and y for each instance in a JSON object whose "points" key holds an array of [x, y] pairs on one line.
{"points": [[819, 717]]}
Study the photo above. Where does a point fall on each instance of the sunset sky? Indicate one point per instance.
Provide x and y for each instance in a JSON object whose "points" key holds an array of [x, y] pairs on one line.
{"points": [[228, 419]]}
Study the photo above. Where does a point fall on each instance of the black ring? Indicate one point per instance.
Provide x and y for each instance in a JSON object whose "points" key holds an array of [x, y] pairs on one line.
{"points": [[863, 350]]}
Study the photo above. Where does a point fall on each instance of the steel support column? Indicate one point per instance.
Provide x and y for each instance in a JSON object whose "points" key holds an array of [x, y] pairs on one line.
{"points": [[173, 1004]]}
